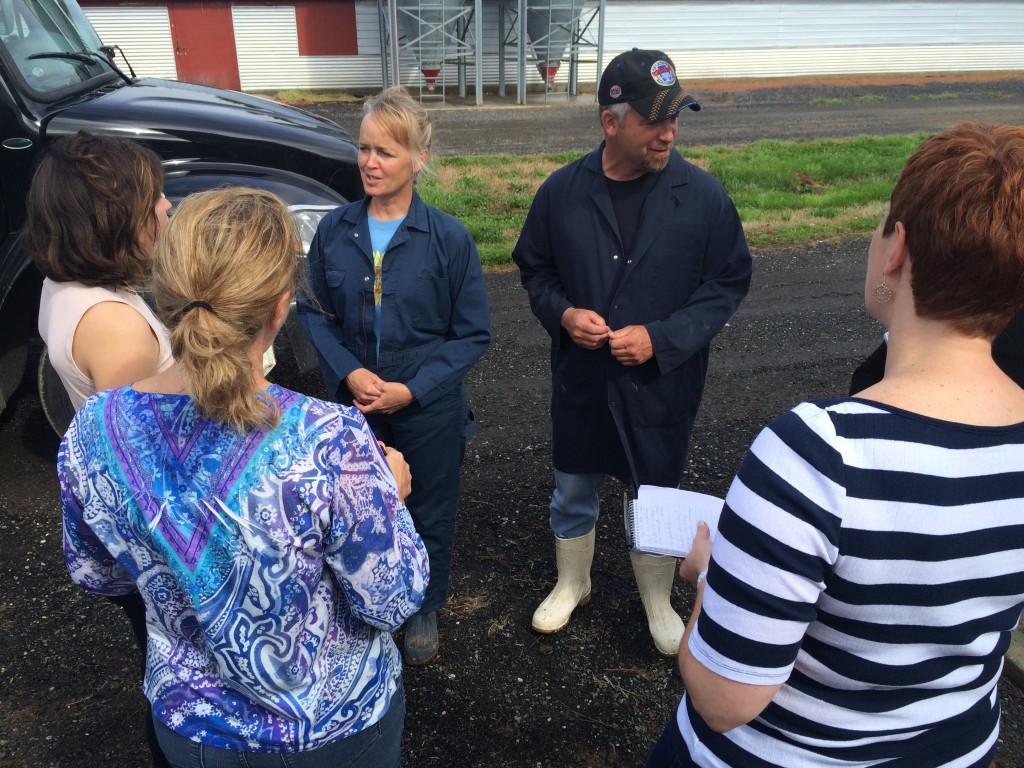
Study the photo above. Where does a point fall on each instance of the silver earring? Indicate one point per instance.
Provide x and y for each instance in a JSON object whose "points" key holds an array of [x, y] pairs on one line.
{"points": [[882, 294]]}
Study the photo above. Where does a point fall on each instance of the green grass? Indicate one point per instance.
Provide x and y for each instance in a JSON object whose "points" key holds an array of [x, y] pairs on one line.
{"points": [[946, 95], [822, 100], [785, 191]]}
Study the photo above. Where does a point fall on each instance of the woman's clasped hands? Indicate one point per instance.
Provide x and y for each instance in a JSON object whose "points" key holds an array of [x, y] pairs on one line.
{"points": [[371, 394]]}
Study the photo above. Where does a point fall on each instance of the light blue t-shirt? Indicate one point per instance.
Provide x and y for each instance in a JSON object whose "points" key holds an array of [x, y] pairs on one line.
{"points": [[381, 233]]}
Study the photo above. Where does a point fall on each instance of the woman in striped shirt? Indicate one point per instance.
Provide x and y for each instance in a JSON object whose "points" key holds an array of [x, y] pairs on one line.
{"points": [[869, 566]]}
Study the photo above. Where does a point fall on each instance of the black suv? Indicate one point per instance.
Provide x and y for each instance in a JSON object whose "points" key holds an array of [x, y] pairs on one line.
{"points": [[56, 78]]}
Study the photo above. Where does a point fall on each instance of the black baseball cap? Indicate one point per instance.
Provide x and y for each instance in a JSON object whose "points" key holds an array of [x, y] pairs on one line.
{"points": [[646, 80]]}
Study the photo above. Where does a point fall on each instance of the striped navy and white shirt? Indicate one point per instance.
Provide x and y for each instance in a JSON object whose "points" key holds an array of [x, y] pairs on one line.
{"points": [[872, 560]]}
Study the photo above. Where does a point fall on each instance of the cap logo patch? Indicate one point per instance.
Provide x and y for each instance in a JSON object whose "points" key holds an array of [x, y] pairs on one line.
{"points": [[615, 91], [662, 73]]}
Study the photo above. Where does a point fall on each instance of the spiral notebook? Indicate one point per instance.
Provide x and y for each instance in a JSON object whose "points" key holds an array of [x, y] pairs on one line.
{"points": [[662, 521]]}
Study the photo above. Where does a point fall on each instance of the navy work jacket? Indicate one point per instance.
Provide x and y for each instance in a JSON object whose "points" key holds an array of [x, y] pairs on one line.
{"points": [[687, 273], [435, 313]]}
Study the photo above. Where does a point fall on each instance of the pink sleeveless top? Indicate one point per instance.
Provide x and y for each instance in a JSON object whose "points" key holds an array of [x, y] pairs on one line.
{"points": [[61, 308]]}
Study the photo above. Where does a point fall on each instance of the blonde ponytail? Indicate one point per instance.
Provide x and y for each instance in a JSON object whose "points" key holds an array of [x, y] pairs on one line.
{"points": [[221, 265]]}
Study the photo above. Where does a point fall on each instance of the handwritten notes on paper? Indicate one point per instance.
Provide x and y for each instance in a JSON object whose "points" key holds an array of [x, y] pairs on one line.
{"points": [[662, 521]]}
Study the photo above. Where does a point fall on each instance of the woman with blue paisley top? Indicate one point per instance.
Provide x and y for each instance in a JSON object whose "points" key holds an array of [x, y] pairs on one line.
{"points": [[264, 529]]}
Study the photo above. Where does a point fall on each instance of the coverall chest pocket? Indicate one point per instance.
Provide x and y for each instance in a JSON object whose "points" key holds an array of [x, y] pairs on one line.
{"points": [[350, 311], [335, 279], [430, 305]]}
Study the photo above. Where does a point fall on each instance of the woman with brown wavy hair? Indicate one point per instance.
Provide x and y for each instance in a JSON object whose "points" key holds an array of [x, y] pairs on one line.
{"points": [[95, 208]]}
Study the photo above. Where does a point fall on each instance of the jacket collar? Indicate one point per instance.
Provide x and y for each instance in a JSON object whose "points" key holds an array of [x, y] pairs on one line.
{"points": [[662, 200], [676, 173], [357, 216], [416, 218]]}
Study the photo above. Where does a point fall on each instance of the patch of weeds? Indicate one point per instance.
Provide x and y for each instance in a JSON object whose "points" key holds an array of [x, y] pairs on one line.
{"points": [[943, 96], [561, 158], [808, 184], [494, 255], [457, 161], [520, 202], [871, 97], [826, 102], [466, 605], [821, 221], [304, 96]]}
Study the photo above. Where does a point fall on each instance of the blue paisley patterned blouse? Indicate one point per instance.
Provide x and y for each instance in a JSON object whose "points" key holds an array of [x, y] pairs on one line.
{"points": [[273, 564]]}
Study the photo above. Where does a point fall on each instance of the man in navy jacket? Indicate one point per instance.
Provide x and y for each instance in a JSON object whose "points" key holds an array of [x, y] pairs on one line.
{"points": [[633, 260]]}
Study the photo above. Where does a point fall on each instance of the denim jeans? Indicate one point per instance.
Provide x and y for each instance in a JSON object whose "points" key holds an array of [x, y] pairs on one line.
{"points": [[670, 751], [574, 504], [378, 746]]}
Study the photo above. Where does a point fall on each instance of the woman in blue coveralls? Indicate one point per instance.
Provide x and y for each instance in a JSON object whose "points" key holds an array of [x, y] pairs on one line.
{"points": [[398, 313]]}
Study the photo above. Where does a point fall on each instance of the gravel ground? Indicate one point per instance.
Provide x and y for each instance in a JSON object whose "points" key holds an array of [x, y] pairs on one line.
{"points": [[500, 695]]}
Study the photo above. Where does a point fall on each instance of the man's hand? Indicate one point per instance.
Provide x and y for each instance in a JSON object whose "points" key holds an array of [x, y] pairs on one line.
{"points": [[393, 397], [631, 345], [365, 386], [400, 469], [585, 327]]}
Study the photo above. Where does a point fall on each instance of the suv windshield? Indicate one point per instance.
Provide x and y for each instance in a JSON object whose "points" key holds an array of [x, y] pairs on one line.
{"points": [[32, 27]]}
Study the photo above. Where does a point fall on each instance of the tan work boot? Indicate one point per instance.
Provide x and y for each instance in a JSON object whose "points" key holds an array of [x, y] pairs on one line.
{"points": [[654, 580], [573, 558]]}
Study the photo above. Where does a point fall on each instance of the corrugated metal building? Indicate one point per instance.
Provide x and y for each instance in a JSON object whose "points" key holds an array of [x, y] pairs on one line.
{"points": [[336, 43]]}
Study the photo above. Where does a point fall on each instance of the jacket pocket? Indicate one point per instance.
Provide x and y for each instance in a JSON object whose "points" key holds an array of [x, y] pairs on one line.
{"points": [[335, 280], [579, 380], [430, 304], [657, 400]]}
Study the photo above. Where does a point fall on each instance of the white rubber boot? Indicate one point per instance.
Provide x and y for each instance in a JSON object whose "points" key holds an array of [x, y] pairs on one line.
{"points": [[654, 575], [573, 558]]}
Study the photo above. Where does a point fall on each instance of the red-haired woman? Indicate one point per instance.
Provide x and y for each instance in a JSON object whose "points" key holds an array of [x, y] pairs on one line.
{"points": [[867, 572]]}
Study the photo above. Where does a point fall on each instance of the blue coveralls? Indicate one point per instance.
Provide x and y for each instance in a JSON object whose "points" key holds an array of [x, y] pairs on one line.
{"points": [[435, 325]]}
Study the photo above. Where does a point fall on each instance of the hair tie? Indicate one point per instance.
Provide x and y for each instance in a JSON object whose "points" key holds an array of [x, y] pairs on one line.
{"points": [[196, 305]]}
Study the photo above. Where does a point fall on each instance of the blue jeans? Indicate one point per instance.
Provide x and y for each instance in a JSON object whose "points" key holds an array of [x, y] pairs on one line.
{"points": [[670, 751], [575, 504], [378, 746]]}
